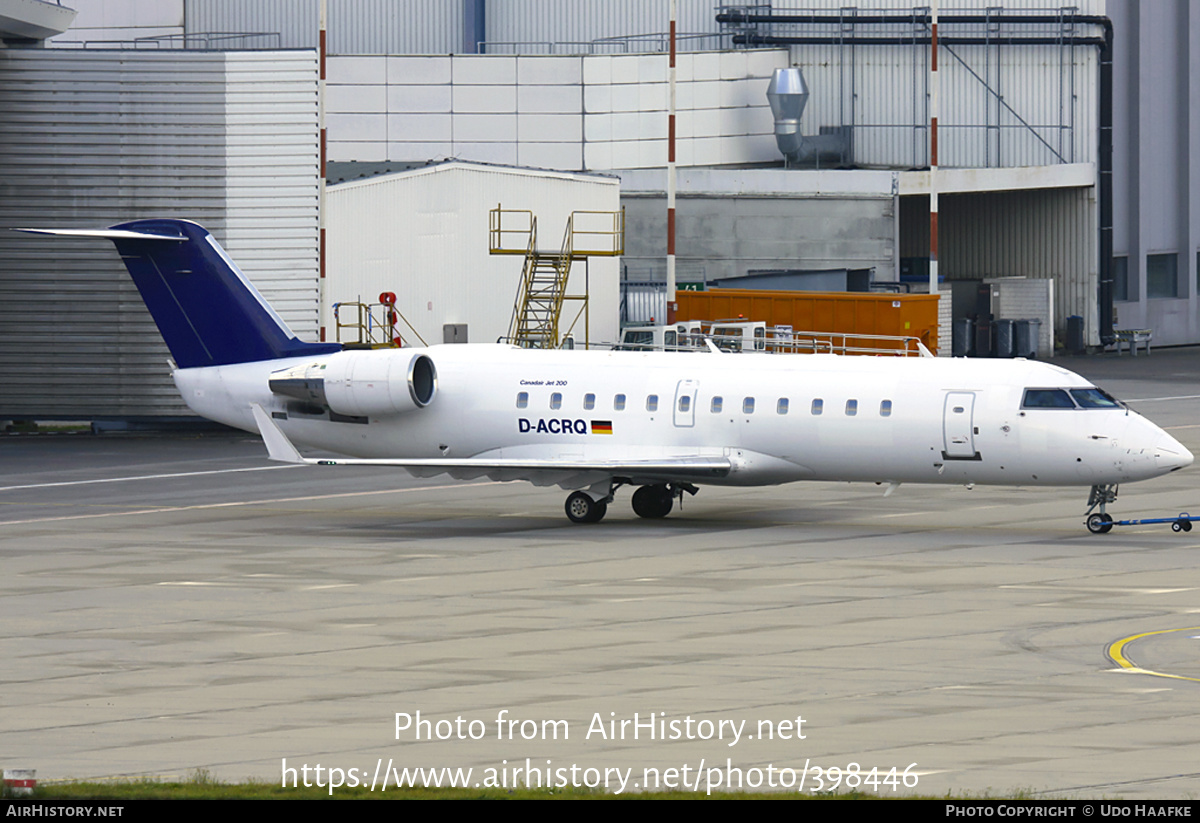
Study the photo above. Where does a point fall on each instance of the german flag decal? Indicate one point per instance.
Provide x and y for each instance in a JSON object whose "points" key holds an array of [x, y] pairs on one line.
{"points": [[601, 427]]}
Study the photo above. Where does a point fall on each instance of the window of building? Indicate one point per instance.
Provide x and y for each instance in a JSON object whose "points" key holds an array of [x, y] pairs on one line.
{"points": [[851, 408], [1162, 275], [522, 399], [1120, 275]]}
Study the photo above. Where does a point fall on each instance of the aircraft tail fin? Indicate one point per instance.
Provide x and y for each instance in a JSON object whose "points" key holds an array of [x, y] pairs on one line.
{"points": [[208, 313]]}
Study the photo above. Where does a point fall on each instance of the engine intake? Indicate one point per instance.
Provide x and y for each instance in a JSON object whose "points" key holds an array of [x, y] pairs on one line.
{"points": [[362, 383]]}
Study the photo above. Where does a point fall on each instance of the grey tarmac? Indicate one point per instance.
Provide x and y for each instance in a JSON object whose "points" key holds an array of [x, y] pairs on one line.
{"points": [[173, 603]]}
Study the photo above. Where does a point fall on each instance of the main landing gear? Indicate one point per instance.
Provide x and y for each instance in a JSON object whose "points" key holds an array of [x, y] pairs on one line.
{"points": [[651, 502], [1100, 522], [581, 508]]}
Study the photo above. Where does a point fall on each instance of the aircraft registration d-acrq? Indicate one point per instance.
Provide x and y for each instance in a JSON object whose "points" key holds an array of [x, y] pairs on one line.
{"points": [[594, 421]]}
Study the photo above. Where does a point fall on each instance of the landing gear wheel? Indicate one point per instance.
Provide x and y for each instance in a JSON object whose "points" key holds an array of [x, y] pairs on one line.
{"points": [[1099, 523], [581, 508], [653, 501]]}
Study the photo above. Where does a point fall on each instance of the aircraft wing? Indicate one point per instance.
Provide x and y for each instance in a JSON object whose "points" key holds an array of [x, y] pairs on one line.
{"points": [[565, 472]]}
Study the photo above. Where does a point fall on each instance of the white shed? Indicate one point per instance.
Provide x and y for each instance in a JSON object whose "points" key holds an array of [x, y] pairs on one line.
{"points": [[423, 235]]}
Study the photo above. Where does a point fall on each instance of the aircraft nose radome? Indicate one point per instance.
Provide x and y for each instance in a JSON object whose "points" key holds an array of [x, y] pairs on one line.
{"points": [[1170, 454]]}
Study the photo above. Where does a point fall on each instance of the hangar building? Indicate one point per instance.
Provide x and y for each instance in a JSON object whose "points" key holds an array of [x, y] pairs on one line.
{"points": [[1030, 114]]}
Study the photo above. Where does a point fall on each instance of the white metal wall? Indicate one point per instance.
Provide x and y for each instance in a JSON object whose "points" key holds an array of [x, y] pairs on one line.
{"points": [[92, 138], [423, 234], [570, 113]]}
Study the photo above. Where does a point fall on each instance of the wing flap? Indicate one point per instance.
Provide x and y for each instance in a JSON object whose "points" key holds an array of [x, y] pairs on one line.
{"points": [[548, 472]]}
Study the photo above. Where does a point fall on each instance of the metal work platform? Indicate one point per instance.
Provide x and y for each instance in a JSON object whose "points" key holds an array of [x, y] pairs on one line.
{"points": [[537, 310]]}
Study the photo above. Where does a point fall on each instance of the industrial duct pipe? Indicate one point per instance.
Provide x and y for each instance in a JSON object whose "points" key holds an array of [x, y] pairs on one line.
{"points": [[788, 94]]}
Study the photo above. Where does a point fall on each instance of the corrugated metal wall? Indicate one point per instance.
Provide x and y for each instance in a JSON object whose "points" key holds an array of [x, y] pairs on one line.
{"points": [[424, 235], [436, 26], [628, 26], [354, 26], [93, 138], [1043, 234], [1001, 106]]}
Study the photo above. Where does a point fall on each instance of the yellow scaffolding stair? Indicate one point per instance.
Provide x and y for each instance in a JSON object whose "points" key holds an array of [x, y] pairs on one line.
{"points": [[543, 288]]}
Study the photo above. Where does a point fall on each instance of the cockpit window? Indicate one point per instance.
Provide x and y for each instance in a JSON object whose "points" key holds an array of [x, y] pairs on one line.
{"points": [[1047, 399], [1095, 399], [1091, 398]]}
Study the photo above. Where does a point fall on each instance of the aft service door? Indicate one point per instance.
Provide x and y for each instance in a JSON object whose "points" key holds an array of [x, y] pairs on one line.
{"points": [[958, 427], [685, 403]]}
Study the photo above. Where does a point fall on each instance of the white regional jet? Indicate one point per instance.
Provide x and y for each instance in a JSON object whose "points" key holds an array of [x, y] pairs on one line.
{"points": [[592, 421]]}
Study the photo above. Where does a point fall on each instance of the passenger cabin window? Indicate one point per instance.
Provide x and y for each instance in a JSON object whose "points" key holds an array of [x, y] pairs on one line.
{"points": [[748, 406], [885, 408], [851, 408], [717, 403], [619, 402], [1047, 399], [522, 399], [652, 402], [782, 406], [589, 401], [685, 403], [818, 406], [556, 401]]}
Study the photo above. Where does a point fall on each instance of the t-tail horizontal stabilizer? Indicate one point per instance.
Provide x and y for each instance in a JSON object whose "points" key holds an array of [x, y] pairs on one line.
{"points": [[206, 310]]}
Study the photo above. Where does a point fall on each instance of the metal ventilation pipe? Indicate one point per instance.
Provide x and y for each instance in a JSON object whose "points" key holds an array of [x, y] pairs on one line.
{"points": [[788, 94]]}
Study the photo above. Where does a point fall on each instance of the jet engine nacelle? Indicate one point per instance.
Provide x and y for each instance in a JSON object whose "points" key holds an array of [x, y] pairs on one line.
{"points": [[362, 383]]}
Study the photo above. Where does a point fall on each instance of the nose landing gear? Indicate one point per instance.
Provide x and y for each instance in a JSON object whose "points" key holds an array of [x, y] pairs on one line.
{"points": [[1100, 522]]}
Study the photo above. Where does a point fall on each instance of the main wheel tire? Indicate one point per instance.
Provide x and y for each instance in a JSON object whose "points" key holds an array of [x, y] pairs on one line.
{"points": [[581, 508], [1099, 523], [652, 501]]}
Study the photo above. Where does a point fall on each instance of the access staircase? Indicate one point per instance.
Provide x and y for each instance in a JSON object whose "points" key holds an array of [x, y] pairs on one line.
{"points": [[542, 292]]}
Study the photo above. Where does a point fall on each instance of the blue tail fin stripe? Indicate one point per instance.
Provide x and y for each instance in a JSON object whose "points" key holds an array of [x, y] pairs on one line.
{"points": [[206, 309]]}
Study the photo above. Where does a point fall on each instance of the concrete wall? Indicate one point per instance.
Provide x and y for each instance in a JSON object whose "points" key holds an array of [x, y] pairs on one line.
{"points": [[729, 222]]}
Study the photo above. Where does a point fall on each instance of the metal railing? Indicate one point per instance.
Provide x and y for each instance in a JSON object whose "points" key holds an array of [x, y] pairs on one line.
{"points": [[373, 325]]}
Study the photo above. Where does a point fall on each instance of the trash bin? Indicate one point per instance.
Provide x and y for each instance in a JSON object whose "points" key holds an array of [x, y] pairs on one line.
{"points": [[1004, 338], [1028, 332], [983, 337], [1075, 343], [963, 337]]}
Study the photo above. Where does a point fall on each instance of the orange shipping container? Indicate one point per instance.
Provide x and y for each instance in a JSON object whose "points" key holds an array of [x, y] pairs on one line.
{"points": [[894, 315]]}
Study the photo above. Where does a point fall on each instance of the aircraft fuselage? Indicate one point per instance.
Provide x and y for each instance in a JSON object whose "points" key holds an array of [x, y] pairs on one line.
{"points": [[777, 418]]}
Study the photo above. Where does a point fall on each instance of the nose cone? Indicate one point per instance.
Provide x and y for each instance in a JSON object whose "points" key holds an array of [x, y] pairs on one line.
{"points": [[1171, 455]]}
